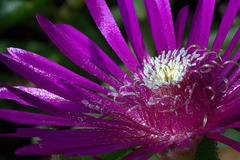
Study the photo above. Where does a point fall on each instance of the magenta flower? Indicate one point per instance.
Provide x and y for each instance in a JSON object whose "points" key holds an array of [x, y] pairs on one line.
{"points": [[168, 102]]}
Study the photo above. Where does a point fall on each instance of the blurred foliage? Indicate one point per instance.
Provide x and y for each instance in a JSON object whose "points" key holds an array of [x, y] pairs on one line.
{"points": [[19, 28], [207, 150]]}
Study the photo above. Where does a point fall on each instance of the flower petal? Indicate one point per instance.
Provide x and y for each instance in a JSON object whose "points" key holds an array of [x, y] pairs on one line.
{"points": [[85, 141], [227, 53], [35, 149], [139, 153], [227, 69], [34, 118], [132, 28], [229, 15], [231, 92], [43, 105], [96, 149], [229, 114], [55, 69], [156, 25], [206, 22], [91, 51], [62, 41], [147, 151], [40, 93], [167, 23], [60, 102], [180, 25], [233, 77], [195, 27], [60, 87], [108, 27], [47, 107], [72, 135], [233, 125], [225, 140]]}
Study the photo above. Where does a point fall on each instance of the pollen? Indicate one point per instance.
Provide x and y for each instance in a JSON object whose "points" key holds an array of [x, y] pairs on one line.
{"points": [[167, 69]]}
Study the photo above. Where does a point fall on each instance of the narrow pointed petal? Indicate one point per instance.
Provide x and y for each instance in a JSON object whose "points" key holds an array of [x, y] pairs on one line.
{"points": [[147, 151], [167, 22], [156, 25], [40, 93], [34, 118], [227, 69], [96, 150], [233, 125], [231, 46], [108, 27], [229, 15], [229, 120], [13, 135], [43, 105], [55, 69], [180, 25], [139, 153], [228, 51], [233, 77], [92, 51], [108, 148], [77, 134], [195, 27], [62, 41], [225, 140], [35, 149], [58, 86], [206, 22], [47, 107], [60, 102], [132, 28], [232, 92]]}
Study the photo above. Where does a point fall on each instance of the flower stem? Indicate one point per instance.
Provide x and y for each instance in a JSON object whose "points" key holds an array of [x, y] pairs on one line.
{"points": [[207, 150]]}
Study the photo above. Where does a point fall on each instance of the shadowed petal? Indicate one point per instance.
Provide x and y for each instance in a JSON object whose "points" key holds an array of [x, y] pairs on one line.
{"points": [[156, 25], [139, 153], [228, 67], [147, 151], [34, 118], [35, 149], [180, 25], [195, 27], [228, 52], [206, 22]]}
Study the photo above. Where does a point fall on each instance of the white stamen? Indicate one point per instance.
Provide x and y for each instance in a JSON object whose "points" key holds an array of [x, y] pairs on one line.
{"points": [[168, 68]]}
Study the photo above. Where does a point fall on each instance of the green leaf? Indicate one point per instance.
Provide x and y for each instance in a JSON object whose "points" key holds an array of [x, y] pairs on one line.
{"points": [[154, 157], [62, 157], [207, 150]]}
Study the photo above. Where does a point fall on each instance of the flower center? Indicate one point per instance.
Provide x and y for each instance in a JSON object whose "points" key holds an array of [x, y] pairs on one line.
{"points": [[168, 68]]}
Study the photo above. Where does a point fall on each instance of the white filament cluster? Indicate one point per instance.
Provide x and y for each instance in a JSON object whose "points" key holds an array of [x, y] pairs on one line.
{"points": [[168, 68]]}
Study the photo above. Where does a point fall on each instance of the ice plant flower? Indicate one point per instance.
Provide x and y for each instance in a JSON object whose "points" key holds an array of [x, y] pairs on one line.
{"points": [[163, 105]]}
